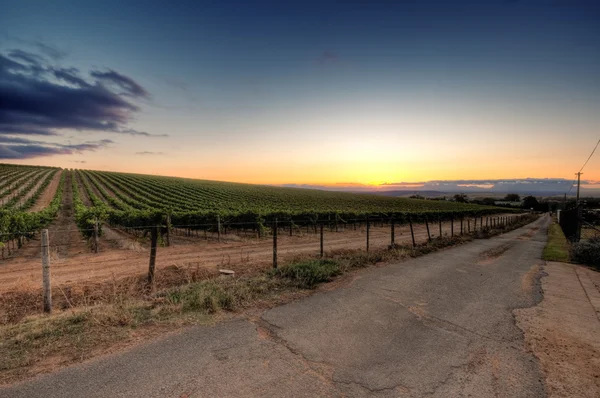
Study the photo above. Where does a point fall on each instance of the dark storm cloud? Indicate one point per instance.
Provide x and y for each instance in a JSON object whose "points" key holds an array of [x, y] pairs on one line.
{"points": [[26, 57], [71, 76], [40, 99], [37, 98]]}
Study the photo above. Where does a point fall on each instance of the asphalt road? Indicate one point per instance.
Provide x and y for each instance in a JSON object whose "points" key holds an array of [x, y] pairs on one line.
{"points": [[440, 325]]}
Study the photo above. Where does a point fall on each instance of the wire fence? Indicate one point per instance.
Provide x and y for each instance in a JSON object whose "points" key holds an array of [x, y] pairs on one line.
{"points": [[190, 253], [579, 224]]}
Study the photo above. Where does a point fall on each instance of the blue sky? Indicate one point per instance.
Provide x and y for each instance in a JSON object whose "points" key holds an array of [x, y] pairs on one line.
{"points": [[328, 92]]}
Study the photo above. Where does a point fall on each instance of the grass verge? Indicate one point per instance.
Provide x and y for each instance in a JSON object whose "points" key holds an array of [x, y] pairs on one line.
{"points": [[557, 248], [41, 343]]}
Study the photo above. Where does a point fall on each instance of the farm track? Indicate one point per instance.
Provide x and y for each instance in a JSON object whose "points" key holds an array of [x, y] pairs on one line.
{"points": [[122, 256], [48, 194], [66, 239]]}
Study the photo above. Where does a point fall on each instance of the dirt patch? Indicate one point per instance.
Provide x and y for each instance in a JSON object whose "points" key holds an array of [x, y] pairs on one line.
{"points": [[48, 194], [562, 332], [487, 257], [527, 235]]}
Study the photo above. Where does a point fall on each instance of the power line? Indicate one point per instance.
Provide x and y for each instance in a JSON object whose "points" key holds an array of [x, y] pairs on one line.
{"points": [[591, 154], [582, 167]]}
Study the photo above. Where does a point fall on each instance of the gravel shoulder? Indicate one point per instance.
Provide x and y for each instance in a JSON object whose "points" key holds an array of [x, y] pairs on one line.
{"points": [[563, 331]]}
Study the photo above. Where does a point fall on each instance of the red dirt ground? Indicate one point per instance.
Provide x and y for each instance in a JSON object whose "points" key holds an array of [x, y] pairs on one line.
{"points": [[46, 197]]}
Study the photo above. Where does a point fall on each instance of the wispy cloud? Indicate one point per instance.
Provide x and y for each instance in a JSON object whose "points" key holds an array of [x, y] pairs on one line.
{"points": [[49, 50], [328, 57], [516, 185], [141, 133], [125, 83], [144, 153]]}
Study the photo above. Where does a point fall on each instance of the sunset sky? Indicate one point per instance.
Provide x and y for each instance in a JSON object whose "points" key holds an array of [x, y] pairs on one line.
{"points": [[303, 92]]}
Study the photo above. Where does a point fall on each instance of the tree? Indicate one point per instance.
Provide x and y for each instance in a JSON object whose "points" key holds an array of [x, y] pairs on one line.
{"points": [[512, 197], [488, 201], [530, 202], [461, 197]]}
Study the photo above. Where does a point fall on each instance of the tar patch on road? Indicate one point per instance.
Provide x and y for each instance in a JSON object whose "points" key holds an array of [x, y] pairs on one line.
{"points": [[527, 235], [489, 256]]}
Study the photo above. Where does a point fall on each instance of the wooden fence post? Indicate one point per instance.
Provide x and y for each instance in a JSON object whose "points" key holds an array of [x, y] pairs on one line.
{"points": [[96, 236], [468, 225], [452, 226], [168, 242], [368, 228], [321, 240], [275, 243], [219, 228], [440, 222], [461, 224], [393, 232], [153, 244], [427, 226], [412, 234], [46, 271]]}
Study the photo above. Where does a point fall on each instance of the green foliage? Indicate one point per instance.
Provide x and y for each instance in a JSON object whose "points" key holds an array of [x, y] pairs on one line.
{"points": [[587, 252], [86, 217], [557, 248], [308, 274], [140, 201], [530, 202], [512, 197], [461, 198], [19, 224]]}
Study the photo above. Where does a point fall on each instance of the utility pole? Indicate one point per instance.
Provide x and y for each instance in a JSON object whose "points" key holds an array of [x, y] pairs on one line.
{"points": [[578, 230], [578, 184]]}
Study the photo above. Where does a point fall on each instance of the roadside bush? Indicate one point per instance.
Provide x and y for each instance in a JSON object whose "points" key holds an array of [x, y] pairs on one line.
{"points": [[587, 252], [308, 274]]}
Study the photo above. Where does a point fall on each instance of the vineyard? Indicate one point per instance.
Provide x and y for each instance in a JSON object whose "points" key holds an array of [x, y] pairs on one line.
{"points": [[142, 201]]}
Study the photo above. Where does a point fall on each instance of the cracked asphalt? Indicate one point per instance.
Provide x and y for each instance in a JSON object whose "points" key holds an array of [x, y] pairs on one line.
{"points": [[440, 325]]}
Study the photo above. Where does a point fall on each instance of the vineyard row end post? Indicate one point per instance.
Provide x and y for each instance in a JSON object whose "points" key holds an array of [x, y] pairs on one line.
{"points": [[152, 264], [46, 271], [368, 228], [321, 240], [275, 243]]}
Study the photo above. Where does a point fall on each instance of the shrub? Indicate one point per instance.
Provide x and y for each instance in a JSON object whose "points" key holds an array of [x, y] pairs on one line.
{"points": [[587, 252], [308, 274]]}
